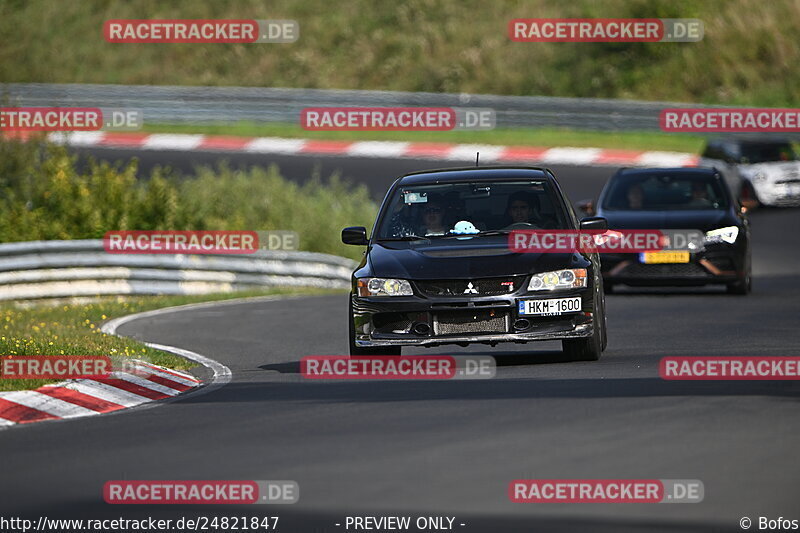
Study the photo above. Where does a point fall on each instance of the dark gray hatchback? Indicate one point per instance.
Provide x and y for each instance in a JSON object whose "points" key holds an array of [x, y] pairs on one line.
{"points": [[677, 199]]}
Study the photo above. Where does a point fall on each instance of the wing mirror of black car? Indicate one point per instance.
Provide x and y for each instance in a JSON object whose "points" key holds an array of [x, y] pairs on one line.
{"points": [[587, 206], [594, 223], [355, 235]]}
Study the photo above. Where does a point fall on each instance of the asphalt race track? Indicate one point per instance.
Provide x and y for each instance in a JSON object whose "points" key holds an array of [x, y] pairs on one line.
{"points": [[451, 448], [376, 174]]}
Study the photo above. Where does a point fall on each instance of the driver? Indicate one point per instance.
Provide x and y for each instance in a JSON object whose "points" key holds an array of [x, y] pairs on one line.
{"points": [[522, 208], [635, 196], [699, 195]]}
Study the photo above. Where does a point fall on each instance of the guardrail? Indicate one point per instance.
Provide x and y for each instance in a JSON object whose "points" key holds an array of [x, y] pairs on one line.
{"points": [[181, 104], [50, 269]]}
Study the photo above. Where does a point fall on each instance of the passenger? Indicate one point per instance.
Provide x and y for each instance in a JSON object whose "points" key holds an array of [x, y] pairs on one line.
{"points": [[522, 208], [401, 222]]}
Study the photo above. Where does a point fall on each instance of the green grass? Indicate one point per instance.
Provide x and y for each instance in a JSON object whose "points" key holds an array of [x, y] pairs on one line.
{"points": [[749, 55], [546, 137], [74, 329]]}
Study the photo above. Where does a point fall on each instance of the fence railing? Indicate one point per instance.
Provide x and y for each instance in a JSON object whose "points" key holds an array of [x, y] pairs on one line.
{"points": [[181, 104], [48, 269]]}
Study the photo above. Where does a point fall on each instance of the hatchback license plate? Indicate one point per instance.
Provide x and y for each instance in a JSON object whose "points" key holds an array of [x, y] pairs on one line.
{"points": [[665, 257], [558, 306]]}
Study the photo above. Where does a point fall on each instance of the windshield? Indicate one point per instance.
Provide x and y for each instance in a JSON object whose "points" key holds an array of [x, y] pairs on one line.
{"points": [[664, 192], [764, 152], [471, 208]]}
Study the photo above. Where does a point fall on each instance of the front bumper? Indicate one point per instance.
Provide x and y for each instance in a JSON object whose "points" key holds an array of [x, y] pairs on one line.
{"points": [[715, 264], [427, 321], [784, 194]]}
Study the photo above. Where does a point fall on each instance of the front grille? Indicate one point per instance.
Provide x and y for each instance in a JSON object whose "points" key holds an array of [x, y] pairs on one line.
{"points": [[470, 288], [460, 322], [786, 200], [640, 270], [391, 322]]}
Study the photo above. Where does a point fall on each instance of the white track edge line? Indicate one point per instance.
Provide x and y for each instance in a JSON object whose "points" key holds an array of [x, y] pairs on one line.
{"points": [[221, 374]]}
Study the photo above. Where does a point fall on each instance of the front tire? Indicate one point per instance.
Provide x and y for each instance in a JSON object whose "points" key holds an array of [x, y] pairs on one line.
{"points": [[590, 348], [604, 343], [586, 349], [741, 287]]}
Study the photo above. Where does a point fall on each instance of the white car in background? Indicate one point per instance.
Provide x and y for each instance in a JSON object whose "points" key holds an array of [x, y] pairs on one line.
{"points": [[762, 171]]}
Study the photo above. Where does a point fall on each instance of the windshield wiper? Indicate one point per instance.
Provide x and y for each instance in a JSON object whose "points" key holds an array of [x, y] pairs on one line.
{"points": [[495, 232], [444, 236], [405, 238]]}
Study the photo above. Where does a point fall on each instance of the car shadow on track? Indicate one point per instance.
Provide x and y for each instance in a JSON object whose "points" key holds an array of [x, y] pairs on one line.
{"points": [[670, 291], [507, 358], [298, 389]]}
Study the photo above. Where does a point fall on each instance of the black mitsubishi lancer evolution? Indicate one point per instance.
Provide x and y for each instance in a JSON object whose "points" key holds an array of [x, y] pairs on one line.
{"points": [[438, 268]]}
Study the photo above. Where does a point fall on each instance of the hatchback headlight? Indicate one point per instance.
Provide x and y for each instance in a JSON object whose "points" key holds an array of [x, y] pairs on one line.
{"points": [[728, 234], [384, 287], [558, 279]]}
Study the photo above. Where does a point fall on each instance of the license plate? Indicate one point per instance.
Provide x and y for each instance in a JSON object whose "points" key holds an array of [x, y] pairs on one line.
{"points": [[664, 257], [557, 306]]}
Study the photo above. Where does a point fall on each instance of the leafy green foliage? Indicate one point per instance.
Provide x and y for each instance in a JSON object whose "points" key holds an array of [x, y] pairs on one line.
{"points": [[43, 195]]}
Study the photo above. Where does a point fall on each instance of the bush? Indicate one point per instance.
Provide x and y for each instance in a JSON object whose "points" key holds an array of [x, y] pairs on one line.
{"points": [[44, 196]]}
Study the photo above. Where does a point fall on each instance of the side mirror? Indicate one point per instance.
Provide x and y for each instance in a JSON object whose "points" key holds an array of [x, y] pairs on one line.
{"points": [[587, 206], [594, 223], [355, 235]]}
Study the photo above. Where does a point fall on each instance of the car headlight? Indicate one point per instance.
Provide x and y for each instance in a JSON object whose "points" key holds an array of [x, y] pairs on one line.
{"points": [[384, 287], [728, 234], [558, 279], [759, 176]]}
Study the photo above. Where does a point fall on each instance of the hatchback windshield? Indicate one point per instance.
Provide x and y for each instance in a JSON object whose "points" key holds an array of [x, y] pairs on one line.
{"points": [[753, 153], [471, 208], [664, 192]]}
